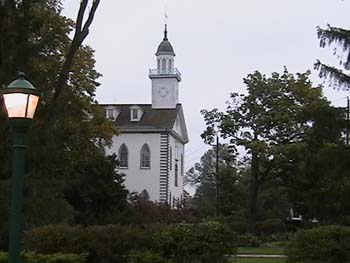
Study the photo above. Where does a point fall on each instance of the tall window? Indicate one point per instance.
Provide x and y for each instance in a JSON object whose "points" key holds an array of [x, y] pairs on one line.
{"points": [[123, 156], [182, 164], [176, 175], [163, 64], [145, 156], [158, 64], [171, 158]]}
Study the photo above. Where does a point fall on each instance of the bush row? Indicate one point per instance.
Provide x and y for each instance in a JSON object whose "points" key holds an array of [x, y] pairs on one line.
{"points": [[207, 242], [30, 257]]}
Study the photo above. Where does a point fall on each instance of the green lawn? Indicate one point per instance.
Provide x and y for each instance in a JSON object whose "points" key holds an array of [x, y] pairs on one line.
{"points": [[261, 250], [259, 260]]}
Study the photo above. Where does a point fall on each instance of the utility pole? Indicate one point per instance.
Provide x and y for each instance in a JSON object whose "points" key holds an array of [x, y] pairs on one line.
{"points": [[347, 120], [217, 177]]}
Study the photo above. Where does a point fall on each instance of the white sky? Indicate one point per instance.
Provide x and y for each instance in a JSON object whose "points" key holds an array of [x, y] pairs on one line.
{"points": [[217, 43]]}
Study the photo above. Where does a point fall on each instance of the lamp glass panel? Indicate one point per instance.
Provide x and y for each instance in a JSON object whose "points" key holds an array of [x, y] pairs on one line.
{"points": [[15, 104], [33, 103]]}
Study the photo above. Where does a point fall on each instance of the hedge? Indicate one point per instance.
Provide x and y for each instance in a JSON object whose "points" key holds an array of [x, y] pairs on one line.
{"points": [[29, 257], [108, 243], [327, 244], [147, 257], [207, 242]]}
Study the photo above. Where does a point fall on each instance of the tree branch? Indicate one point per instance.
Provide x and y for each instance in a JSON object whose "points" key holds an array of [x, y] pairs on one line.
{"points": [[81, 32], [337, 78]]}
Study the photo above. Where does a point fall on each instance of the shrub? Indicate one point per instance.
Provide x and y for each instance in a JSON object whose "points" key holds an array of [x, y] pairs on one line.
{"points": [[328, 244], [3, 257], [147, 257], [29, 257], [269, 226], [201, 243], [238, 224], [248, 240], [110, 243]]}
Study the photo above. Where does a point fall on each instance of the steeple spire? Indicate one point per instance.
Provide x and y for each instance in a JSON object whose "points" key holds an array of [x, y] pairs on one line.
{"points": [[165, 33]]}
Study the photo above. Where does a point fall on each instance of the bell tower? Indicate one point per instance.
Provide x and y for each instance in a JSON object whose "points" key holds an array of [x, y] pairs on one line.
{"points": [[165, 78]]}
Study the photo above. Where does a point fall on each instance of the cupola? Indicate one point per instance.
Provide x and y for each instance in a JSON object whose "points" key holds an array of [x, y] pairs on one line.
{"points": [[165, 47]]}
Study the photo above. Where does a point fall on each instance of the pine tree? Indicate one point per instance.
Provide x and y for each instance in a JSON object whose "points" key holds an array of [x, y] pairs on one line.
{"points": [[339, 78]]}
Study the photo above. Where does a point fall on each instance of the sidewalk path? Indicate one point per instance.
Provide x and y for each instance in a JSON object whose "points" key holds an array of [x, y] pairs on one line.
{"points": [[258, 256]]}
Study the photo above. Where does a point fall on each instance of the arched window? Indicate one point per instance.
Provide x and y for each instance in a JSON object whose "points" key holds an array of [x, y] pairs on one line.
{"points": [[145, 156], [123, 156], [176, 175], [163, 64]]}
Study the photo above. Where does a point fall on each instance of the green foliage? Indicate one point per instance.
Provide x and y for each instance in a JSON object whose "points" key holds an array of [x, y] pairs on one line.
{"points": [[238, 224], [143, 212], [201, 243], [147, 257], [204, 176], [275, 240], [263, 250], [181, 243], [109, 243], [29, 257], [273, 225], [280, 120], [328, 244], [248, 240], [327, 174], [338, 38], [68, 177]]}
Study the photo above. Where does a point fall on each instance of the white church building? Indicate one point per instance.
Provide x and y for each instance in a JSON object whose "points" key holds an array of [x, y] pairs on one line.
{"points": [[151, 144]]}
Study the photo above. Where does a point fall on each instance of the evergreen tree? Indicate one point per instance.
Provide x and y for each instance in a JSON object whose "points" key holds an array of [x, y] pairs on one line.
{"points": [[204, 177], [340, 38]]}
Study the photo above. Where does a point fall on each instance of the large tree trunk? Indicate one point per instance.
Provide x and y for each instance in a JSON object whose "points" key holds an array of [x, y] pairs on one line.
{"points": [[253, 194]]}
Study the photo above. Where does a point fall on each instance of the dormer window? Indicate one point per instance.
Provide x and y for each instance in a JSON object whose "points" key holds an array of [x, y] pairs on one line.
{"points": [[136, 113], [112, 113]]}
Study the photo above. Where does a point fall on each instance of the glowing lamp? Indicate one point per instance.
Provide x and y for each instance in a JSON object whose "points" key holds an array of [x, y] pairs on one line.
{"points": [[20, 99]]}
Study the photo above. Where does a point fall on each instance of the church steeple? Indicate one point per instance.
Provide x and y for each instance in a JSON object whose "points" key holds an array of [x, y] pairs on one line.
{"points": [[165, 77], [165, 33]]}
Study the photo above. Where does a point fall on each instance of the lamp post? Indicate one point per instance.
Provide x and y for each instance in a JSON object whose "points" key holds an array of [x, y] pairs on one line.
{"points": [[20, 100]]}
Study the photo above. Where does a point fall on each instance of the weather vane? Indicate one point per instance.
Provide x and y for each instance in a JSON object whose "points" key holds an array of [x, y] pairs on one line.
{"points": [[166, 12]]}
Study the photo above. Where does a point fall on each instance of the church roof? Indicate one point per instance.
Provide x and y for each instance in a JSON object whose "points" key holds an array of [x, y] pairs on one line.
{"points": [[165, 46], [152, 120]]}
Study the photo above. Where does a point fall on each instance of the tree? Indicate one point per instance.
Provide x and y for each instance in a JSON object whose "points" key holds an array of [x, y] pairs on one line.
{"points": [[204, 177], [339, 37], [272, 121], [70, 131], [100, 194]]}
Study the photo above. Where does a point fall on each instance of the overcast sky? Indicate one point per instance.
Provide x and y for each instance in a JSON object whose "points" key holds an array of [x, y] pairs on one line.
{"points": [[217, 43]]}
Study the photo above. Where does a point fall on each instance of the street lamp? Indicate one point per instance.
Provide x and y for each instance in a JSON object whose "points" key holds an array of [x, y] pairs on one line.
{"points": [[20, 100]]}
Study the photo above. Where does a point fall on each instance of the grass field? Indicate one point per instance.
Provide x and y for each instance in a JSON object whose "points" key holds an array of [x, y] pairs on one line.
{"points": [[259, 260], [261, 250]]}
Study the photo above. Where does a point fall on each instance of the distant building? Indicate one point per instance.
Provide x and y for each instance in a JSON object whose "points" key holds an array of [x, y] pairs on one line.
{"points": [[151, 147]]}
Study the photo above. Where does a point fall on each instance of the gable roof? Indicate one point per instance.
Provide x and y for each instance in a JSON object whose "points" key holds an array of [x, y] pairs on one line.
{"points": [[152, 120]]}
